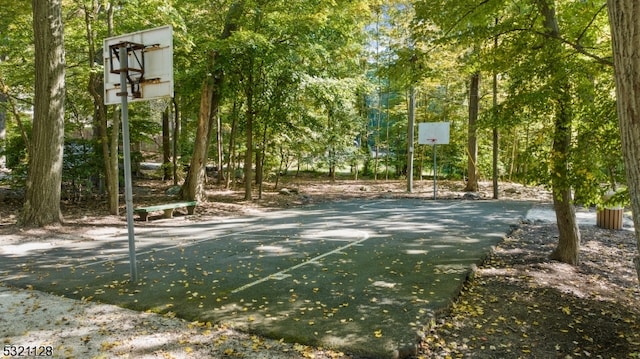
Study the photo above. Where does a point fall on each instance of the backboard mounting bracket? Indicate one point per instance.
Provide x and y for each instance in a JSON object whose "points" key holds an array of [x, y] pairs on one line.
{"points": [[135, 70]]}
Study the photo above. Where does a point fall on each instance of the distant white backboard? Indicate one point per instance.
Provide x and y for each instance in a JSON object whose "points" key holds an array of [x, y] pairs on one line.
{"points": [[433, 133], [157, 52]]}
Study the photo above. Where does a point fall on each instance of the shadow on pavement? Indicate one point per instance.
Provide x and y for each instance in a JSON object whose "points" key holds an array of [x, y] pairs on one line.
{"points": [[358, 276]]}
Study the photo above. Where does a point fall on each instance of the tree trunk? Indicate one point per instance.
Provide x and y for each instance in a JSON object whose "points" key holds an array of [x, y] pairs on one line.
{"points": [[3, 124], [568, 247], [176, 140], [260, 161], [108, 146], [231, 168], [44, 177], [248, 155], [624, 16], [3, 130], [331, 150], [495, 154], [514, 147], [496, 134], [193, 188], [220, 150], [112, 160], [282, 170], [387, 142], [166, 146], [472, 146]]}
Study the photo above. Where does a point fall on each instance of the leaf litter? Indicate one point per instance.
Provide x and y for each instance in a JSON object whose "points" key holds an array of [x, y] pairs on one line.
{"points": [[518, 304]]}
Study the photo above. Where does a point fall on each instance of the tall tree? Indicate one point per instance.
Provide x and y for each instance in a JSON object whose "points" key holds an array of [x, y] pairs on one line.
{"points": [[569, 239], [108, 144], [548, 60], [44, 177], [472, 140], [495, 131], [265, 60], [624, 17], [211, 96], [3, 130]]}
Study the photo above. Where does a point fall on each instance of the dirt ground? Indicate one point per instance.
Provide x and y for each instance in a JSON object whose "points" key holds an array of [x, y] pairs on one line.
{"points": [[519, 304]]}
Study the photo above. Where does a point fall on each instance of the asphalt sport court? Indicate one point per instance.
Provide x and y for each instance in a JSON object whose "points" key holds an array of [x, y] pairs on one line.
{"points": [[361, 276]]}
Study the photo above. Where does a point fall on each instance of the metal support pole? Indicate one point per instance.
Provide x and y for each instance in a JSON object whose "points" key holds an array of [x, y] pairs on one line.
{"points": [[410, 139], [435, 174], [124, 65]]}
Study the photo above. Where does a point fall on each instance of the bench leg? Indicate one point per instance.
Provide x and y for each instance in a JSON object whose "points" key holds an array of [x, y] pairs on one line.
{"points": [[168, 213], [191, 209], [143, 216]]}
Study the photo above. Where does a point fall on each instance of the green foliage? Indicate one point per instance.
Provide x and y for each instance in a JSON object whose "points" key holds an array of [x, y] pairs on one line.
{"points": [[16, 156], [512, 38], [324, 74], [16, 48], [80, 166], [597, 157]]}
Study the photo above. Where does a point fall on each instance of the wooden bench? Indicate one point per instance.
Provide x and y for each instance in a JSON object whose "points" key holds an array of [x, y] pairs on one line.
{"points": [[167, 208]]}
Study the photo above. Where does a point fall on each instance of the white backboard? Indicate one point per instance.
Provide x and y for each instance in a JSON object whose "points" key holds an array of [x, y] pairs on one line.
{"points": [[433, 133], [158, 65]]}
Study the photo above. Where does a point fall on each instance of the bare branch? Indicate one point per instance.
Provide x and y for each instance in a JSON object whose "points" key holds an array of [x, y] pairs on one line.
{"points": [[593, 19], [579, 48], [469, 12]]}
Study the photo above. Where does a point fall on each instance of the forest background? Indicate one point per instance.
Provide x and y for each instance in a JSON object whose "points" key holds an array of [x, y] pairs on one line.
{"points": [[264, 88]]}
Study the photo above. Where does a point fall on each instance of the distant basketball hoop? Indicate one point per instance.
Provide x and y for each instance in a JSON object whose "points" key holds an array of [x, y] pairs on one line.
{"points": [[433, 133]]}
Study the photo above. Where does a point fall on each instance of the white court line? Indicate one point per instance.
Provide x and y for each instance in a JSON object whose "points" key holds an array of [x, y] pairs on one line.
{"points": [[365, 236]]}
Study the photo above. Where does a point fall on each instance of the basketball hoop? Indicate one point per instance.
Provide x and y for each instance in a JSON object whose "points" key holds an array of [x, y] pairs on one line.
{"points": [[125, 64], [158, 104], [135, 70], [149, 70], [434, 133]]}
